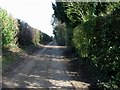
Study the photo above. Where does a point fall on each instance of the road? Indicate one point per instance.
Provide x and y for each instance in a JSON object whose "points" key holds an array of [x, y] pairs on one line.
{"points": [[44, 69]]}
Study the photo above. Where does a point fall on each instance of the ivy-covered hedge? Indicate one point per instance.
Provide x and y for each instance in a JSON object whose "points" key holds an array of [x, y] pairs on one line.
{"points": [[98, 40], [9, 28], [105, 50]]}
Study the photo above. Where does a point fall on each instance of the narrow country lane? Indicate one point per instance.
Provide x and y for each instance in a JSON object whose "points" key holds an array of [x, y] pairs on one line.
{"points": [[45, 69]]}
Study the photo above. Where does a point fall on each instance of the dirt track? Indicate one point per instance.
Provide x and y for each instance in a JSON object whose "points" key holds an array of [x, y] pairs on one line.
{"points": [[44, 69]]}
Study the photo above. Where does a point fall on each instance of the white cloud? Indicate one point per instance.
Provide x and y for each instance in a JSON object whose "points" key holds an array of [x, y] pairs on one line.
{"points": [[37, 13]]}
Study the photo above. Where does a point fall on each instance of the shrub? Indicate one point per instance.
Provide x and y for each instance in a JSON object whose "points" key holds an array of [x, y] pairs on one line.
{"points": [[98, 40], [82, 36], [36, 36], [9, 29]]}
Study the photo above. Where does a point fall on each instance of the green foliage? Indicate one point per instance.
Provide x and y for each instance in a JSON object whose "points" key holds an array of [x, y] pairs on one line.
{"points": [[37, 37], [9, 29], [80, 41], [60, 33], [98, 39], [59, 11], [82, 36], [93, 31], [105, 49]]}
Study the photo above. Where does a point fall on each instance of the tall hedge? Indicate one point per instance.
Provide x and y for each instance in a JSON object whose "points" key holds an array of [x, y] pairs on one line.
{"points": [[98, 40], [9, 29], [93, 32], [16, 32], [36, 36], [105, 49], [27, 34]]}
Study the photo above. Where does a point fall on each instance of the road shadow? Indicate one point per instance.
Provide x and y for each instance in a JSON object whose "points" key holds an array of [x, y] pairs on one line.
{"points": [[83, 70], [30, 49]]}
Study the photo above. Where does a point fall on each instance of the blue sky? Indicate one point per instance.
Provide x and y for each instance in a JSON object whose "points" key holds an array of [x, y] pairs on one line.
{"points": [[37, 13]]}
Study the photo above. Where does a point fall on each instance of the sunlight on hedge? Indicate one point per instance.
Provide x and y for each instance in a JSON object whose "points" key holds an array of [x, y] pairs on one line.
{"points": [[9, 29], [80, 41]]}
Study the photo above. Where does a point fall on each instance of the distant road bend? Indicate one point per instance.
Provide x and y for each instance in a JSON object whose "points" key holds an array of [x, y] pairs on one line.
{"points": [[44, 69]]}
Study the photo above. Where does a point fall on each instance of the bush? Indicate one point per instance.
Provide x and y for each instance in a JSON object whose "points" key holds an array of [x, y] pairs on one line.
{"points": [[98, 40], [36, 36], [82, 36], [9, 29], [105, 49]]}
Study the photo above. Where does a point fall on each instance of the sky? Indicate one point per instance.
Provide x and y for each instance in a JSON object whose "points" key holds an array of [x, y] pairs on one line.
{"points": [[37, 13]]}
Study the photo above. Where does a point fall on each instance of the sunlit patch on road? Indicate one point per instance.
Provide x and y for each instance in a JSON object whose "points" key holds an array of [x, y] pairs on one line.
{"points": [[48, 46]]}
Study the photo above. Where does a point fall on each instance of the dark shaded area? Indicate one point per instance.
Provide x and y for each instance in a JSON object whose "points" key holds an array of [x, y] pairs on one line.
{"points": [[84, 70], [30, 49], [10, 63], [45, 39]]}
